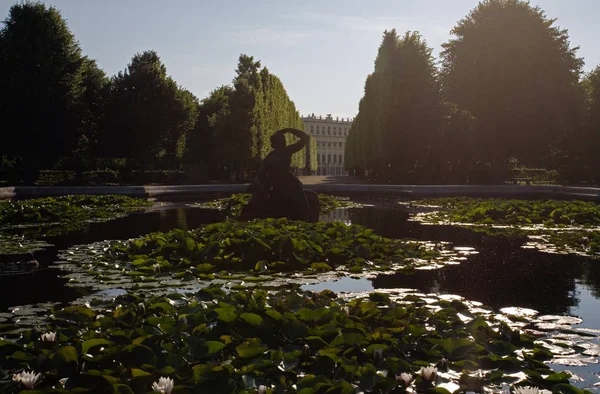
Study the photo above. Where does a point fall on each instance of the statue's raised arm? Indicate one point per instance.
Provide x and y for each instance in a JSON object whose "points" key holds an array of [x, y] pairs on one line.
{"points": [[303, 140]]}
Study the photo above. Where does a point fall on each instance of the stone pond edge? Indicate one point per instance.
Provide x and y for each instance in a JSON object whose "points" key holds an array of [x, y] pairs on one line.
{"points": [[370, 190]]}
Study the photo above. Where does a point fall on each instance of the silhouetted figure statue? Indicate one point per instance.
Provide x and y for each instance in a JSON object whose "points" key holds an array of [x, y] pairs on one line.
{"points": [[276, 191]]}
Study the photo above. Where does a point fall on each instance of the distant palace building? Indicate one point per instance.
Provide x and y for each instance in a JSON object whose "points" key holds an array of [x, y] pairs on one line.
{"points": [[330, 135]]}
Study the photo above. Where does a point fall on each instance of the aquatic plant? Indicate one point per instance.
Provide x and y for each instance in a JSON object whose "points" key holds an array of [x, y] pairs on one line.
{"points": [[586, 243], [550, 226], [24, 221], [65, 209], [236, 202], [512, 212], [287, 341], [270, 245]]}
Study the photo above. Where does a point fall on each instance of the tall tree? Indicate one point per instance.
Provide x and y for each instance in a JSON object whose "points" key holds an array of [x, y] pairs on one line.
{"points": [[42, 80], [246, 104], [205, 147], [400, 114], [90, 111], [515, 72], [586, 145], [257, 107], [148, 115]]}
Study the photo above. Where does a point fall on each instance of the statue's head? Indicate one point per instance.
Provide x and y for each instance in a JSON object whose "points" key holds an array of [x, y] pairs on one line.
{"points": [[278, 141]]}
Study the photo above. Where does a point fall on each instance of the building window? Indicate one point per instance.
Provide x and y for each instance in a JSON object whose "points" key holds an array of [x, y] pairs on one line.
{"points": [[329, 130], [323, 159], [317, 129], [329, 144], [334, 159], [311, 128], [341, 144], [340, 158], [318, 159], [329, 159]]}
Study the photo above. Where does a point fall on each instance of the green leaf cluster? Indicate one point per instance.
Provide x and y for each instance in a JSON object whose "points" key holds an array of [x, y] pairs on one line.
{"points": [[24, 221], [515, 212], [287, 341], [65, 209], [275, 245]]}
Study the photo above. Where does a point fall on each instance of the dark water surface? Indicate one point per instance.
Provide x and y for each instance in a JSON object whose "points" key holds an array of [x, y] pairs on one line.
{"points": [[502, 274]]}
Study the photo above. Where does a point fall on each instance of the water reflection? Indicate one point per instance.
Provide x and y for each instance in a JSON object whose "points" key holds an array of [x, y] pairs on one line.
{"points": [[502, 274], [45, 286], [338, 215]]}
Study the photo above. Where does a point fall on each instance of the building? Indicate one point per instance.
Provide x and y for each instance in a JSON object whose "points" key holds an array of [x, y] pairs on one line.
{"points": [[330, 135]]}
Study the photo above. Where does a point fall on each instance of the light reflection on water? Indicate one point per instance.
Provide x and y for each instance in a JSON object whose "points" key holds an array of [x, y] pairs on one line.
{"points": [[501, 275]]}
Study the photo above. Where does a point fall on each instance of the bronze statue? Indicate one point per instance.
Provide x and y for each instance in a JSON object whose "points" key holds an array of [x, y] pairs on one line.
{"points": [[276, 191]]}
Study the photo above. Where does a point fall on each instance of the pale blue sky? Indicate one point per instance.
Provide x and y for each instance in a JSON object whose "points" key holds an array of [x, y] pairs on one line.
{"points": [[321, 50]]}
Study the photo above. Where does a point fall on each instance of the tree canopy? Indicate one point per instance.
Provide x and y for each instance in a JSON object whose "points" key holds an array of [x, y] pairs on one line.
{"points": [[400, 114], [516, 73], [46, 84], [148, 113]]}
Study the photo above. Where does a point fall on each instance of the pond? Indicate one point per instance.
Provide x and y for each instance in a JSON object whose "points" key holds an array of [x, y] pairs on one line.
{"points": [[495, 270]]}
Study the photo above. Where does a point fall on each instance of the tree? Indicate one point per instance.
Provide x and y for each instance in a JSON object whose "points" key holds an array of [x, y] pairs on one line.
{"points": [[245, 116], [400, 115], [515, 72], [43, 82], [148, 115], [242, 136], [204, 146], [586, 144], [90, 112]]}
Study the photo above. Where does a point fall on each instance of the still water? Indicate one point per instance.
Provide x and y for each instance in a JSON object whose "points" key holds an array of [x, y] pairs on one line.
{"points": [[502, 274]]}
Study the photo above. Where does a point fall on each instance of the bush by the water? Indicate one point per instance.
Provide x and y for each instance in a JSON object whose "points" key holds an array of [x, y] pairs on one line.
{"points": [[255, 341], [514, 212]]}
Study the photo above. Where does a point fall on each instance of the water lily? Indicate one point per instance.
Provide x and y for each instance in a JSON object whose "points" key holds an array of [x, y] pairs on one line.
{"points": [[164, 385], [306, 352], [526, 390], [48, 337], [442, 365], [346, 310], [377, 355], [262, 389], [429, 373], [28, 379], [405, 378]]}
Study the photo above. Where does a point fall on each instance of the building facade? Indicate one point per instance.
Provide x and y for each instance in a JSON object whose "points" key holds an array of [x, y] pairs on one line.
{"points": [[330, 135]]}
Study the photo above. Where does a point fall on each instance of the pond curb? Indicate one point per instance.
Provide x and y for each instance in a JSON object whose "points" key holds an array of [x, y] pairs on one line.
{"points": [[410, 191]]}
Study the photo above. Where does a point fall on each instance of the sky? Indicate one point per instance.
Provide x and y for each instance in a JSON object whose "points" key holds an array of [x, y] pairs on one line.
{"points": [[321, 50]]}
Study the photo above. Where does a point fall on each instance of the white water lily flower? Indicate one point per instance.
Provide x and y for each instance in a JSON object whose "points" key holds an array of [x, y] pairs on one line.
{"points": [[429, 373], [378, 354], [526, 390], [164, 385], [406, 378], [48, 337], [346, 310], [29, 379], [262, 389]]}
